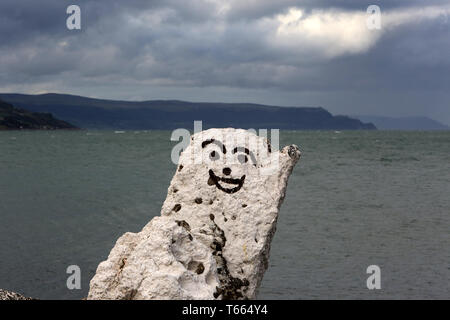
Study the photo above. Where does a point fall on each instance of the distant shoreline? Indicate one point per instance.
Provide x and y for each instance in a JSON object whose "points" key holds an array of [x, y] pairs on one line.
{"points": [[173, 114], [12, 118]]}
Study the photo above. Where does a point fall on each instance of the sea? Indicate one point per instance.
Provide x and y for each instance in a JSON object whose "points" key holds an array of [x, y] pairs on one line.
{"points": [[356, 199]]}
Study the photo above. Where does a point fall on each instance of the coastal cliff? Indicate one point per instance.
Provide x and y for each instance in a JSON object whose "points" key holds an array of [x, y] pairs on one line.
{"points": [[12, 118], [172, 114]]}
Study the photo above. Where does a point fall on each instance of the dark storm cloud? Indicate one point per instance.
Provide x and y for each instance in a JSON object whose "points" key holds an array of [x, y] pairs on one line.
{"points": [[256, 51]]}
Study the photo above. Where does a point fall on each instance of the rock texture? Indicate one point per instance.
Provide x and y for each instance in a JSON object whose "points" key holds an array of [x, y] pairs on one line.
{"points": [[8, 295], [213, 237]]}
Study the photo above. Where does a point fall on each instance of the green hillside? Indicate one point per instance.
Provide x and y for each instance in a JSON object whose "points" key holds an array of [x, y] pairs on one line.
{"points": [[12, 118]]}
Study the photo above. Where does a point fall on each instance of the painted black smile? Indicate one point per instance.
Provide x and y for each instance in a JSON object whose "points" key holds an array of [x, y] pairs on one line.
{"points": [[213, 179]]}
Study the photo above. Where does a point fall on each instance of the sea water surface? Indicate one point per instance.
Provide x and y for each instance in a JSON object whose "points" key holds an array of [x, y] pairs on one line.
{"points": [[356, 198]]}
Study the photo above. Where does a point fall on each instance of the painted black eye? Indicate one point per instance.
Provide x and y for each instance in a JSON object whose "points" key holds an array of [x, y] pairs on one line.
{"points": [[242, 158], [214, 156]]}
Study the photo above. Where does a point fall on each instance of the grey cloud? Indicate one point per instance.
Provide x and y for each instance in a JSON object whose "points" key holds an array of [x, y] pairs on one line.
{"points": [[187, 50]]}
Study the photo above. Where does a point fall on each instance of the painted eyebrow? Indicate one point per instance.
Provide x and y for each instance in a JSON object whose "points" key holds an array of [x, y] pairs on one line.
{"points": [[216, 142], [245, 150]]}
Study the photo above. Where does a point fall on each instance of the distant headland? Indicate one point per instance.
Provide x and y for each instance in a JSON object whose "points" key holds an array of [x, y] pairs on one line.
{"points": [[12, 118], [91, 113]]}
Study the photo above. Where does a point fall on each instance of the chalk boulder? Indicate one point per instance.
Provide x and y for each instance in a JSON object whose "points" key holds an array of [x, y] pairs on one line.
{"points": [[212, 240]]}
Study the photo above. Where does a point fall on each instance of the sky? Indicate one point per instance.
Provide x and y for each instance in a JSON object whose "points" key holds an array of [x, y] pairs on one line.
{"points": [[284, 52]]}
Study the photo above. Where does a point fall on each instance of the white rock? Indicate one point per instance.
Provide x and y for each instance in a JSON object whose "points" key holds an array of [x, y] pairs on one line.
{"points": [[213, 237]]}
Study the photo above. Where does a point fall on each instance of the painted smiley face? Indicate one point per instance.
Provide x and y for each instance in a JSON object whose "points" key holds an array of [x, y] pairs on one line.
{"points": [[222, 183], [226, 183]]}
